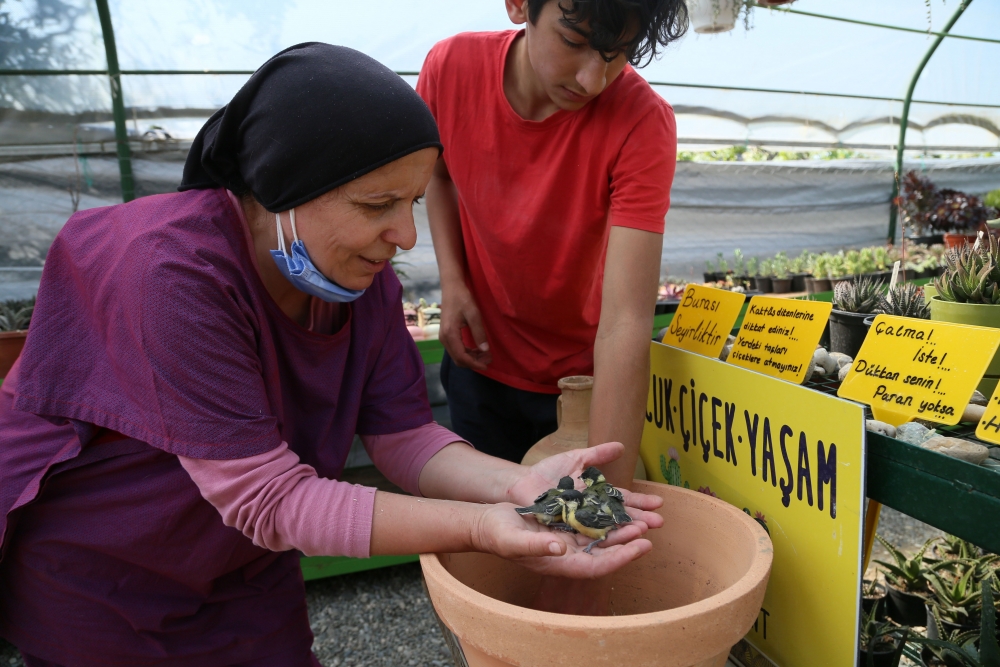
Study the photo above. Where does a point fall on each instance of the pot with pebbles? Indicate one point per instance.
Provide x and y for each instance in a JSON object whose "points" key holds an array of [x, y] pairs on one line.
{"points": [[685, 604], [852, 303]]}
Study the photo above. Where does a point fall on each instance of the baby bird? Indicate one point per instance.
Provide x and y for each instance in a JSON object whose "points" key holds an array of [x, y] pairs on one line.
{"points": [[604, 496], [589, 521], [546, 508]]}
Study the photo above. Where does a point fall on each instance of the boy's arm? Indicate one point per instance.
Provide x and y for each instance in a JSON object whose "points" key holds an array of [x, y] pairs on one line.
{"points": [[458, 308], [621, 350]]}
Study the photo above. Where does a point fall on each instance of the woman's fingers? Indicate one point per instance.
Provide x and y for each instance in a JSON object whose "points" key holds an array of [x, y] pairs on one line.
{"points": [[598, 455], [642, 501], [598, 563]]}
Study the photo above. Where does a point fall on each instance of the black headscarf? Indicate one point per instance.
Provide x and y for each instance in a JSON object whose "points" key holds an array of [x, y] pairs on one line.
{"points": [[312, 118]]}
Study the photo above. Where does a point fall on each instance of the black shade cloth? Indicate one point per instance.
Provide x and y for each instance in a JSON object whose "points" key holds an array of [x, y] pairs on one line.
{"points": [[312, 118]]}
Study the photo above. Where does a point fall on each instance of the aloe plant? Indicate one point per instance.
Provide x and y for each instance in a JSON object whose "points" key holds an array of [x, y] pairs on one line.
{"points": [[876, 635], [16, 315], [905, 300], [863, 295], [972, 274], [970, 648], [904, 573]]}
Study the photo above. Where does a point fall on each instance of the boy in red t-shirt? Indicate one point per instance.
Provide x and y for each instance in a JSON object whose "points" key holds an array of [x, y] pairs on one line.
{"points": [[547, 212]]}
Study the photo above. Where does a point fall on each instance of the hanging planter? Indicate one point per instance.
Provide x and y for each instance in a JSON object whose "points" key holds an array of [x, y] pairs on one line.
{"points": [[712, 16]]}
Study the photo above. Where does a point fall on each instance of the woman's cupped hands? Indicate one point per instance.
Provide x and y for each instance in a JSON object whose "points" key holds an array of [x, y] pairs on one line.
{"points": [[556, 553]]}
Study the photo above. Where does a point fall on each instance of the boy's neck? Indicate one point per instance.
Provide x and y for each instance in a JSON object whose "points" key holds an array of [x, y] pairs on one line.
{"points": [[521, 86]]}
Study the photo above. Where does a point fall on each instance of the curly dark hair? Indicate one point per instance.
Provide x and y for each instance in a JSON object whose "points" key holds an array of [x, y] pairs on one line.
{"points": [[657, 23]]}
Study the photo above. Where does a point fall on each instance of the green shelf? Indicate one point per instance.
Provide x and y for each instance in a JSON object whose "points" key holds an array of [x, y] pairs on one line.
{"points": [[320, 567], [949, 494]]}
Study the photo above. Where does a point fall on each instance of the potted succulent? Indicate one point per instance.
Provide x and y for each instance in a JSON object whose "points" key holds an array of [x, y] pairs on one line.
{"points": [[781, 282], [852, 303], [959, 216], [741, 276], [907, 584], [881, 642], [970, 648], [753, 270], [917, 196], [797, 268], [873, 598], [955, 599], [820, 269], [968, 292], [903, 300], [765, 276], [15, 316]]}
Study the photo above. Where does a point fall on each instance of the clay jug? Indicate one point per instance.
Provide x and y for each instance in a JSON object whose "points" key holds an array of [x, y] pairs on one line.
{"points": [[573, 418]]}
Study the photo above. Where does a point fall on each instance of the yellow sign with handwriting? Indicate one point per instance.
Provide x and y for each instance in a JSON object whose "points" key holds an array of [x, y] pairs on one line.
{"points": [[989, 425], [926, 369], [778, 336], [704, 319], [793, 459]]}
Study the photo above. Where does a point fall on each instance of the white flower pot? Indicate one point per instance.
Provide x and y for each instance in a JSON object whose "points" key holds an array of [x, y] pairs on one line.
{"points": [[711, 16]]}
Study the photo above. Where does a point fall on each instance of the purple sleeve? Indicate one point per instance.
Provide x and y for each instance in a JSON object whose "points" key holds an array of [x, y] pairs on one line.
{"points": [[395, 393], [402, 456], [281, 504]]}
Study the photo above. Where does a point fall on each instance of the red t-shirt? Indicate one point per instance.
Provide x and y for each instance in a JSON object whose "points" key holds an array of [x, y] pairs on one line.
{"points": [[538, 198]]}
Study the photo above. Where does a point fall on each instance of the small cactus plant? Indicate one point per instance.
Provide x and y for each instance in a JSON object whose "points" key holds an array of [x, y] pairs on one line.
{"points": [[905, 300], [863, 295]]}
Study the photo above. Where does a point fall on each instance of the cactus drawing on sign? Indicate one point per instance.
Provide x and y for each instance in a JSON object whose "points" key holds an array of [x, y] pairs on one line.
{"points": [[671, 468]]}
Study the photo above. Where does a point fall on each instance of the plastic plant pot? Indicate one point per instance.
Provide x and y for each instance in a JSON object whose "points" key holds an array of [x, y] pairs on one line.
{"points": [[847, 331], [781, 285], [799, 282], [975, 314], [906, 608], [763, 285], [930, 239], [685, 604], [822, 285]]}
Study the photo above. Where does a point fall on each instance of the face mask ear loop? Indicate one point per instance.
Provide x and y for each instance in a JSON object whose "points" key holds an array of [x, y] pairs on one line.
{"points": [[281, 234], [295, 232]]}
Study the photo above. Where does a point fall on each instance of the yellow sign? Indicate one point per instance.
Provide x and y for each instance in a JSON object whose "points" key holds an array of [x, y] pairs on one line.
{"points": [[779, 336], [704, 319], [909, 368], [793, 459], [989, 425]]}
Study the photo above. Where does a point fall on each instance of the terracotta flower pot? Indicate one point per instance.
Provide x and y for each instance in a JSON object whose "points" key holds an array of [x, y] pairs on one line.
{"points": [[958, 240], [976, 314], [573, 416], [685, 604], [11, 344]]}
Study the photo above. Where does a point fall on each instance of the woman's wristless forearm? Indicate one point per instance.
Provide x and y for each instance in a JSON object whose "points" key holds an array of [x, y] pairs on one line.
{"points": [[458, 472], [407, 525]]}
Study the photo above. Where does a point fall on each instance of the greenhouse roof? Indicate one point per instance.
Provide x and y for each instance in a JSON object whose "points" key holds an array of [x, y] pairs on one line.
{"points": [[709, 76]]}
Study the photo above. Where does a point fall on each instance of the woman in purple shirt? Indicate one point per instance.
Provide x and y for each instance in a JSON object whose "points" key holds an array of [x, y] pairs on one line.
{"points": [[194, 377]]}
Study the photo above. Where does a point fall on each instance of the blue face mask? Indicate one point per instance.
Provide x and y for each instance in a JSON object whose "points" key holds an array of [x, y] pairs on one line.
{"points": [[302, 273]]}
